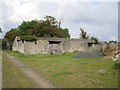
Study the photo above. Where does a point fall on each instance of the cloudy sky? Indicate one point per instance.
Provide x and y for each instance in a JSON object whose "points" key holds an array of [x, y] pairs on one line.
{"points": [[99, 19]]}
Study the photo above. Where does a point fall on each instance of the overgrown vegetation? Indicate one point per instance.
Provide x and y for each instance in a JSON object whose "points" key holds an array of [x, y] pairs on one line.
{"points": [[116, 65], [4, 43], [84, 35], [48, 27], [28, 38]]}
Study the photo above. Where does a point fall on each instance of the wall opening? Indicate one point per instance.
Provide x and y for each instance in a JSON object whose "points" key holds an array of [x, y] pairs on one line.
{"points": [[90, 44], [54, 42]]}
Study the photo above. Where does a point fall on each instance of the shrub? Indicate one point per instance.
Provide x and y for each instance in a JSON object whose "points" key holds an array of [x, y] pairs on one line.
{"points": [[28, 38], [116, 65]]}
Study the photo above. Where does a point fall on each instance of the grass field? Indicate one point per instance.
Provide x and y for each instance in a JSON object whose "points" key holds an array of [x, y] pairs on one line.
{"points": [[67, 72], [12, 77]]}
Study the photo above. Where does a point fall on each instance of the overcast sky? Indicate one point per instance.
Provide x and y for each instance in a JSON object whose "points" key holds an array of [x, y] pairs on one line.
{"points": [[99, 19]]}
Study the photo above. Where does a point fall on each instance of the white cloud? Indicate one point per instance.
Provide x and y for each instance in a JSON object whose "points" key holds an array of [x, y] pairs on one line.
{"points": [[25, 11], [98, 19]]}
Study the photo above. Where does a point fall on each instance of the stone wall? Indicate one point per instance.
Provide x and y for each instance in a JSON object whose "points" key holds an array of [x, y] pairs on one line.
{"points": [[18, 46], [77, 46], [40, 47], [95, 47], [43, 45], [66, 46], [102, 46], [113, 45]]}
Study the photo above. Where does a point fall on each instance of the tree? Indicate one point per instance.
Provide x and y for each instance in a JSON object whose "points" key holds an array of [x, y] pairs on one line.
{"points": [[4, 43], [95, 39], [66, 33], [0, 30], [49, 27], [10, 36], [112, 41], [50, 21], [42, 28], [26, 28], [83, 34]]}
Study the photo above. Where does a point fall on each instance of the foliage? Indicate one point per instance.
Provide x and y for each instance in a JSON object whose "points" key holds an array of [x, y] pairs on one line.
{"points": [[83, 34], [28, 38], [4, 43], [10, 36], [50, 21], [26, 28], [0, 30], [95, 39], [66, 33], [49, 27], [112, 41], [116, 65]]}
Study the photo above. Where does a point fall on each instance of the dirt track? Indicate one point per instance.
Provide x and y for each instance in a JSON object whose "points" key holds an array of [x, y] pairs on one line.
{"points": [[36, 78]]}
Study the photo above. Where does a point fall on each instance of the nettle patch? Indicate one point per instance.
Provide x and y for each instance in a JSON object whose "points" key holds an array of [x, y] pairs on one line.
{"points": [[28, 38]]}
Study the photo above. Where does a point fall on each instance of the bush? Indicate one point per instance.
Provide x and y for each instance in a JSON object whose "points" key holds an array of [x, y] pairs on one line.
{"points": [[4, 44], [116, 65], [28, 38]]}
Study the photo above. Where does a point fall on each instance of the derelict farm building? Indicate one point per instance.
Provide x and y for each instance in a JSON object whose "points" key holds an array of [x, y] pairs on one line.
{"points": [[51, 45]]}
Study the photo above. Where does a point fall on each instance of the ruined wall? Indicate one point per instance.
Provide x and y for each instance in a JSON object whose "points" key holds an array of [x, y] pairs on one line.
{"points": [[43, 46], [55, 48], [95, 47], [102, 46], [40, 47], [76, 45], [113, 45], [18, 46], [66, 46]]}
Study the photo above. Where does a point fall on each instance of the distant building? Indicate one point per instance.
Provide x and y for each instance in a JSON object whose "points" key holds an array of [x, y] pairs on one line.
{"points": [[51, 45]]}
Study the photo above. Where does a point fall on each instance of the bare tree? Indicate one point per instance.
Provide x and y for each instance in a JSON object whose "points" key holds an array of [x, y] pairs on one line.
{"points": [[59, 22]]}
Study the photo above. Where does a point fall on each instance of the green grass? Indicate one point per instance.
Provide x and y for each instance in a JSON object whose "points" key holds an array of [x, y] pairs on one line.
{"points": [[12, 77], [67, 72]]}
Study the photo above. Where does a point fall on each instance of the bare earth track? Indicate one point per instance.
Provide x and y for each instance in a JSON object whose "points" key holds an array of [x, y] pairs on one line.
{"points": [[36, 78]]}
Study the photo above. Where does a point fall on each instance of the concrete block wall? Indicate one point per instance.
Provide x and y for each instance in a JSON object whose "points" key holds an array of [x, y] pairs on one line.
{"points": [[18, 46], [77, 46], [40, 47]]}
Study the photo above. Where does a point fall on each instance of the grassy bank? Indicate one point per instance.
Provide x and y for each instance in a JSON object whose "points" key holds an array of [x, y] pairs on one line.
{"points": [[67, 72], [12, 77]]}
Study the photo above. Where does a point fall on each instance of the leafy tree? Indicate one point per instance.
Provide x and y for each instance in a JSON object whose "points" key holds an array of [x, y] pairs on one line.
{"points": [[42, 28], [66, 33], [10, 36], [50, 21], [112, 41], [95, 39], [0, 30], [4, 43], [83, 34], [26, 28]]}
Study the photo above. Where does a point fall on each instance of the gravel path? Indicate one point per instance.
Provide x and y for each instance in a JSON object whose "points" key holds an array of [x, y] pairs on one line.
{"points": [[88, 55], [36, 78]]}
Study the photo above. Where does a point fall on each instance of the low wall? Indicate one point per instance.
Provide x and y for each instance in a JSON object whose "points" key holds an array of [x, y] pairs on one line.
{"points": [[102, 46]]}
